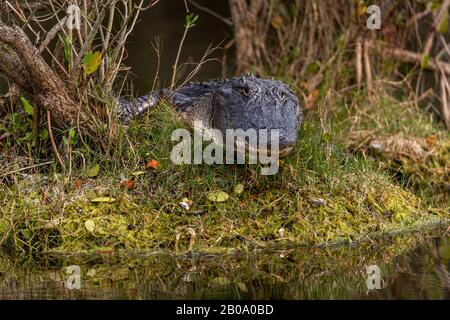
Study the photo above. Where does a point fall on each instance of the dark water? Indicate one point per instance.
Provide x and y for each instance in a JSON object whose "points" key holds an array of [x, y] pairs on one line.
{"points": [[421, 272], [166, 22]]}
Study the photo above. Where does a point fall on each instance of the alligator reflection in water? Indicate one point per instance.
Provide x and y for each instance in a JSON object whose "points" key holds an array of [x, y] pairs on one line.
{"points": [[301, 273], [422, 274]]}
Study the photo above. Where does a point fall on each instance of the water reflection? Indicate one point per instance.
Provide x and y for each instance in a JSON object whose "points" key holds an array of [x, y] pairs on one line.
{"points": [[301, 273], [421, 274]]}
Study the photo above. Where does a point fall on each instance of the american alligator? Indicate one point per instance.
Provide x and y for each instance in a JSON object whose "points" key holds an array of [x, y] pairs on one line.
{"points": [[245, 102]]}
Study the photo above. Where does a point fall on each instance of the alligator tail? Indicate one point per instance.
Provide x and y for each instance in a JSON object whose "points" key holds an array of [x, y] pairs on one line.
{"points": [[130, 109]]}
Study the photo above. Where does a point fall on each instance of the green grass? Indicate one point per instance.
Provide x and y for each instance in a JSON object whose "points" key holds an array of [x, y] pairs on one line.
{"points": [[322, 195]]}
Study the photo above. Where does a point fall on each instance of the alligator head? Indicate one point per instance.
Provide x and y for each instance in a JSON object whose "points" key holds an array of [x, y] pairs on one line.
{"points": [[249, 102]]}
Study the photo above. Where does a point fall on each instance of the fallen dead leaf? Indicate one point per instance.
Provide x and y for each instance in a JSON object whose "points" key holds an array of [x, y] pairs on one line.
{"points": [[397, 146], [431, 140], [128, 183], [77, 184], [311, 98], [154, 164]]}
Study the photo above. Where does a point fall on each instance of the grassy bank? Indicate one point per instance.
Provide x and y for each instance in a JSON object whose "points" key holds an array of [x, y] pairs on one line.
{"points": [[332, 188]]}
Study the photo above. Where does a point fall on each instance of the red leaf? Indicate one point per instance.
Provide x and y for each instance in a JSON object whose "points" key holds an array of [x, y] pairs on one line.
{"points": [[129, 184], [152, 164], [78, 183]]}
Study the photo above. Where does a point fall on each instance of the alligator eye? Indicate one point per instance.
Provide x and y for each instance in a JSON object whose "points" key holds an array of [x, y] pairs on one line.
{"points": [[246, 91]]}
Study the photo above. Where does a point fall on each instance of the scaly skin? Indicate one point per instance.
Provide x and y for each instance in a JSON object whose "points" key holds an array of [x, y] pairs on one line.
{"points": [[245, 102]]}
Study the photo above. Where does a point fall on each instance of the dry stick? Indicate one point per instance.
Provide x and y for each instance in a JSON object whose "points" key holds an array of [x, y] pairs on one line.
{"points": [[416, 99], [445, 91], [25, 168], [52, 139], [198, 65], [36, 123], [175, 65], [122, 36], [417, 17], [358, 61], [105, 66], [211, 12], [52, 34], [157, 47], [412, 57], [367, 67]]}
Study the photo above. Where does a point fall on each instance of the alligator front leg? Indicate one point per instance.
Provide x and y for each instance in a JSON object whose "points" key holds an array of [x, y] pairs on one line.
{"points": [[128, 110]]}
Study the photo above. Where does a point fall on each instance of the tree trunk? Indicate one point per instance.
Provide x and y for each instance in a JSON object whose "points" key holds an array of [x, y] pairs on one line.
{"points": [[244, 20], [22, 63]]}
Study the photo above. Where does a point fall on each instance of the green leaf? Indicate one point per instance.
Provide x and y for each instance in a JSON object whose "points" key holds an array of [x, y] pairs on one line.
{"points": [[66, 141], [43, 135], [90, 225], [218, 196], [92, 172], [27, 105], [91, 62], [425, 61], [442, 26], [191, 18], [326, 137], [67, 44], [72, 133], [238, 188], [344, 227], [138, 173], [220, 281], [26, 233], [103, 200]]}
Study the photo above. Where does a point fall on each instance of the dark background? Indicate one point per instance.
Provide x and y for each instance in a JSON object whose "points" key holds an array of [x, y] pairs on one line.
{"points": [[166, 20]]}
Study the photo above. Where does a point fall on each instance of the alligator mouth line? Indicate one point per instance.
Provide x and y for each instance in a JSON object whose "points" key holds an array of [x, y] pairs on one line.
{"points": [[268, 152]]}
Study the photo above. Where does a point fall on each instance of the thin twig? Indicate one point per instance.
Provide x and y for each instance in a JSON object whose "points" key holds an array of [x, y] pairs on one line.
{"points": [[358, 62], [175, 65], [367, 67], [210, 12], [52, 139], [25, 168]]}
